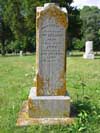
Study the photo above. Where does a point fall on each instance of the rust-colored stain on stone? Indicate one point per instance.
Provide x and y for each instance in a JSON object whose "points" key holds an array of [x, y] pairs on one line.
{"points": [[30, 103], [60, 18], [32, 108], [35, 111], [25, 120], [53, 12], [39, 85], [61, 91]]}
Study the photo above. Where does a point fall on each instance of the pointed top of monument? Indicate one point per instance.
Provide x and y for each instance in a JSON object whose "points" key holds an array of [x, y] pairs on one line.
{"points": [[46, 5]]}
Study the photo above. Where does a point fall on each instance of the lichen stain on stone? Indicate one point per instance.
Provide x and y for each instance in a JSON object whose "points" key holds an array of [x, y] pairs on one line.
{"points": [[34, 80], [24, 119], [61, 90], [65, 114], [25, 115], [30, 103], [61, 19], [39, 85], [55, 12], [35, 110], [63, 78], [32, 107]]}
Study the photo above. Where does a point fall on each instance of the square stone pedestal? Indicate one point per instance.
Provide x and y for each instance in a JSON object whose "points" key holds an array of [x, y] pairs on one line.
{"points": [[45, 110], [48, 106]]}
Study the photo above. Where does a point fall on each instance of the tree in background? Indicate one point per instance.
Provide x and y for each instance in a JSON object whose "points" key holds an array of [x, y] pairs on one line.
{"points": [[15, 18], [75, 23], [73, 17], [19, 17], [5, 32], [91, 25]]}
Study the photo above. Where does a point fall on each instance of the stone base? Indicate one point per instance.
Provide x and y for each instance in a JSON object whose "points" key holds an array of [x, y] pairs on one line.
{"points": [[45, 110], [88, 56], [25, 120], [48, 106]]}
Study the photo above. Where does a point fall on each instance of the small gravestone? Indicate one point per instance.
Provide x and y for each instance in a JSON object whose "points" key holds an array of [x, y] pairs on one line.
{"points": [[21, 53], [89, 50], [48, 102]]}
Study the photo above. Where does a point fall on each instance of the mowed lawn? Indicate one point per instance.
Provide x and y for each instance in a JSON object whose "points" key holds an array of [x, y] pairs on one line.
{"points": [[83, 85]]}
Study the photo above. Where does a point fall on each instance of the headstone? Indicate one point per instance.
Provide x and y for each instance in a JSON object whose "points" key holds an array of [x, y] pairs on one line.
{"points": [[21, 53], [48, 98], [88, 50], [69, 53]]}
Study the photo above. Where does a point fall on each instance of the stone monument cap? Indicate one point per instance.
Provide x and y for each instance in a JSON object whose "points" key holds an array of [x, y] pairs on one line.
{"points": [[48, 5], [55, 4]]}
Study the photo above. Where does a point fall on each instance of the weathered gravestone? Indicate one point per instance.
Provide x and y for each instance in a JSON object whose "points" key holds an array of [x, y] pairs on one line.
{"points": [[89, 50], [48, 102], [48, 98]]}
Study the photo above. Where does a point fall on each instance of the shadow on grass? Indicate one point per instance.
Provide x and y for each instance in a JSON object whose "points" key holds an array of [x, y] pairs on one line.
{"points": [[79, 106], [97, 58], [77, 55], [97, 54]]}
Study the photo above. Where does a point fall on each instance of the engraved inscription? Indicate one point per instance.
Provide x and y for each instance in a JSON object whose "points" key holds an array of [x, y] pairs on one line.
{"points": [[51, 54]]}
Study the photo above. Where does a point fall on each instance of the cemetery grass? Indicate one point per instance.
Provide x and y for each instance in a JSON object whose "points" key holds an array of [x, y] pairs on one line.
{"points": [[83, 83]]}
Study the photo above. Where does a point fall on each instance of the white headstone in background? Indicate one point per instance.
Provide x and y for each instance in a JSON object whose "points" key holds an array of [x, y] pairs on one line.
{"points": [[89, 50], [21, 53]]}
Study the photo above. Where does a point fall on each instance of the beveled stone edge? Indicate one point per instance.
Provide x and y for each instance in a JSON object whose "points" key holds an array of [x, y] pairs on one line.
{"points": [[47, 5], [32, 95]]}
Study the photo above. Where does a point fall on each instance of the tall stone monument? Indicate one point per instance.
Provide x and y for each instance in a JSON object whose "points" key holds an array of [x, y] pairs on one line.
{"points": [[88, 50], [48, 98], [48, 101]]}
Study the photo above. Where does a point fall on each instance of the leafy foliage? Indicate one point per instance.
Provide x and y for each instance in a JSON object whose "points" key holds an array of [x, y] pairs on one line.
{"points": [[18, 25], [91, 25], [19, 18]]}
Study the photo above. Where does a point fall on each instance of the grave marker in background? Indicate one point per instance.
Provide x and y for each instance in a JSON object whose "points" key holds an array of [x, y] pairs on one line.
{"points": [[21, 53], [88, 50]]}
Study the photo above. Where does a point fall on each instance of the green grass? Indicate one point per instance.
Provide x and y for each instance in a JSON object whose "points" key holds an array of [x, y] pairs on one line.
{"points": [[83, 84]]}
